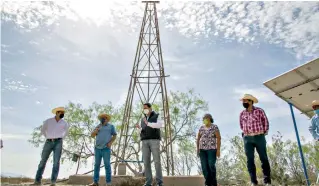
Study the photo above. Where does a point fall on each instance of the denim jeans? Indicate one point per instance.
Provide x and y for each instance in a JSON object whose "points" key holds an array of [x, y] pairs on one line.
{"points": [[104, 153], [49, 146], [152, 146], [258, 142], [208, 161]]}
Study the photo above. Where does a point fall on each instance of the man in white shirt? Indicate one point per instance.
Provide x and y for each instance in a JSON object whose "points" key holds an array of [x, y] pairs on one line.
{"points": [[151, 139], [54, 130]]}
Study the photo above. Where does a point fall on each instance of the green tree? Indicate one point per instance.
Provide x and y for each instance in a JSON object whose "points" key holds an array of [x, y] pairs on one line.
{"points": [[185, 108], [82, 121]]}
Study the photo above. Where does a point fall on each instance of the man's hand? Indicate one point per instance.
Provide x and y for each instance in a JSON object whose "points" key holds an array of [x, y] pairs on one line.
{"points": [[137, 125], [95, 132], [97, 129], [109, 144], [145, 121], [218, 153]]}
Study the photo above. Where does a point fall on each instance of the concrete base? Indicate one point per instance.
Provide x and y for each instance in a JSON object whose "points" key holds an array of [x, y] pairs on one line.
{"points": [[88, 179], [119, 180], [183, 180]]}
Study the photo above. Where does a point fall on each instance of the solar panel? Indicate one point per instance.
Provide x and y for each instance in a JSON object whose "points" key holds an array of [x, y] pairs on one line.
{"points": [[299, 86]]}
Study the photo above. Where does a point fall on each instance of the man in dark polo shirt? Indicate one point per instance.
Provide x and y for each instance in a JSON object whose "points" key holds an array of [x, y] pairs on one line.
{"points": [[151, 139]]}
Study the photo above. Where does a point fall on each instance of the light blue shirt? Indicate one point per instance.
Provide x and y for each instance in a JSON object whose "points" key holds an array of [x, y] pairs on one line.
{"points": [[104, 135], [314, 127]]}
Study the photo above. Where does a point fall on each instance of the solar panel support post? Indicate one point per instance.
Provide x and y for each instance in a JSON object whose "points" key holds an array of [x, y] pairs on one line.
{"points": [[299, 144]]}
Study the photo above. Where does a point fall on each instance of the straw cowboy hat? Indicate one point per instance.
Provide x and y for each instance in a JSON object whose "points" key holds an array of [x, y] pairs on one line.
{"points": [[106, 116], [249, 97], [54, 111], [315, 103]]}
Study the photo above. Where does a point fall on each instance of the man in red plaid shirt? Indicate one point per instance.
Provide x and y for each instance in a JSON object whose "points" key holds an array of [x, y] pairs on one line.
{"points": [[254, 124]]}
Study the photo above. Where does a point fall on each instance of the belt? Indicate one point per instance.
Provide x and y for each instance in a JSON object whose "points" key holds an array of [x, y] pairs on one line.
{"points": [[254, 134], [56, 139]]}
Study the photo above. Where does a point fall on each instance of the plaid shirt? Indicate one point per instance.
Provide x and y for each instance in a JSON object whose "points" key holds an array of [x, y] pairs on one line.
{"points": [[254, 122]]}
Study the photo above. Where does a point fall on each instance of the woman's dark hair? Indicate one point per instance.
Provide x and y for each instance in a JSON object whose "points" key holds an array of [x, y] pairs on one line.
{"points": [[148, 105], [210, 117]]}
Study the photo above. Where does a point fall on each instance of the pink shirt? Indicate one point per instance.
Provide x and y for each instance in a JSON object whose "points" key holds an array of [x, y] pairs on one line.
{"points": [[254, 122]]}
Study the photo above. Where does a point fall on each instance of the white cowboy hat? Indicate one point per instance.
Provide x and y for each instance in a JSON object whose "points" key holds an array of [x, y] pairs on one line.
{"points": [[106, 116], [250, 97], [54, 111], [315, 103]]}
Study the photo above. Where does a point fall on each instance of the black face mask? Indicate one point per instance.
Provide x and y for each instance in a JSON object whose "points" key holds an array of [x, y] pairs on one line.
{"points": [[61, 116], [102, 120], [245, 105]]}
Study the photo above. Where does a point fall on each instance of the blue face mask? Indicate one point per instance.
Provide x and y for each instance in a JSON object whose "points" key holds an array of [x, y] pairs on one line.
{"points": [[102, 120], [317, 111]]}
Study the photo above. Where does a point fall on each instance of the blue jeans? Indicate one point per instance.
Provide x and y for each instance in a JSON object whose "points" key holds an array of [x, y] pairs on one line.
{"points": [[208, 163], [258, 142], [152, 146], [49, 146], [104, 153]]}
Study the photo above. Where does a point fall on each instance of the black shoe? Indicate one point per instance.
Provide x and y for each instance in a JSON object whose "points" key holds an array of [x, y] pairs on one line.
{"points": [[36, 184], [93, 184]]}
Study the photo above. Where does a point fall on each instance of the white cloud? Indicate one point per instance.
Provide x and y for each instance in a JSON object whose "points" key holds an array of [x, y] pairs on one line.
{"points": [[39, 103], [179, 77], [292, 25], [122, 99], [274, 106], [6, 108], [262, 94], [289, 24], [19, 86]]}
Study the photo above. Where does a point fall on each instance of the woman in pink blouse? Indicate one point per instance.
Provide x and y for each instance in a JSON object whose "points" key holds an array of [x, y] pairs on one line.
{"points": [[208, 149]]}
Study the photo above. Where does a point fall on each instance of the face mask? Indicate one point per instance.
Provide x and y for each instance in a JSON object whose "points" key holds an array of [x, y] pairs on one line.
{"points": [[102, 120], [61, 116], [206, 121], [317, 111], [146, 111], [245, 105]]}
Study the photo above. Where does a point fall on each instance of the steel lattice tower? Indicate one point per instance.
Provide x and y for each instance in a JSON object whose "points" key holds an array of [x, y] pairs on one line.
{"points": [[148, 80]]}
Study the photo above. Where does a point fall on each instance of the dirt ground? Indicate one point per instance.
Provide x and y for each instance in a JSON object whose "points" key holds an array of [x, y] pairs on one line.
{"points": [[28, 181]]}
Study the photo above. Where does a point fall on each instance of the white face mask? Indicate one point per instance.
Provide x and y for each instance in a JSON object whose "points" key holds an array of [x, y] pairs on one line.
{"points": [[146, 111]]}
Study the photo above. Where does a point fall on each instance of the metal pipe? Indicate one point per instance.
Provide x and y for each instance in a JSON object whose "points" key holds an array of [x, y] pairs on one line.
{"points": [[299, 144]]}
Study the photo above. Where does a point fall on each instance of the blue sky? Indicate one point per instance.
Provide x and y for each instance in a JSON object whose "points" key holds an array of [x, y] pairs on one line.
{"points": [[50, 55]]}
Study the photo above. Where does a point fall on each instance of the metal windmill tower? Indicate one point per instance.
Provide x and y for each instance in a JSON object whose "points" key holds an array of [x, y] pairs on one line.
{"points": [[148, 81]]}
